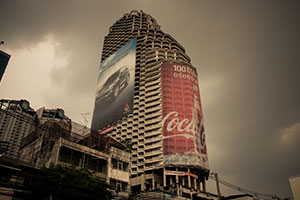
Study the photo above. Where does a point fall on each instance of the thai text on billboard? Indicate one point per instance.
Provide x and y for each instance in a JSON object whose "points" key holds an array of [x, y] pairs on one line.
{"points": [[183, 130], [115, 88]]}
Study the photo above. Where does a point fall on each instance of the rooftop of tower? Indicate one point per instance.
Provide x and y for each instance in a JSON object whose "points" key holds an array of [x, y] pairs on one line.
{"points": [[136, 24]]}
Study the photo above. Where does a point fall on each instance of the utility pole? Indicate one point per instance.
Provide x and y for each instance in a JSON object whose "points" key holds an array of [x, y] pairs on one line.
{"points": [[217, 183]]}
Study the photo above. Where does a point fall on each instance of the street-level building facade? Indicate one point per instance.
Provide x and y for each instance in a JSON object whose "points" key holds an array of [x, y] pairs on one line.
{"points": [[56, 140]]}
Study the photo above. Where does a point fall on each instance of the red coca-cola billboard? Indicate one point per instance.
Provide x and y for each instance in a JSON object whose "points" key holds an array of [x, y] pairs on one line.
{"points": [[183, 130]]}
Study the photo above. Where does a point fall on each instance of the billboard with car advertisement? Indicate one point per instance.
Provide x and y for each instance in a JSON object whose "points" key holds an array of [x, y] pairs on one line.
{"points": [[115, 88], [183, 130]]}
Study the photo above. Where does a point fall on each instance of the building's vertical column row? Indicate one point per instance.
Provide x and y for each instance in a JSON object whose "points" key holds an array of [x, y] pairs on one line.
{"points": [[136, 100], [153, 130], [139, 99], [139, 137]]}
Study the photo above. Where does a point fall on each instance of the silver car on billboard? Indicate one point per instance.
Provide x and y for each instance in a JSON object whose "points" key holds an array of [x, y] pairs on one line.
{"points": [[114, 85]]}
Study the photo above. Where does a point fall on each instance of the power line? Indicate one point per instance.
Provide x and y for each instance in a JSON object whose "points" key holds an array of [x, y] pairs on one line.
{"points": [[257, 195]]}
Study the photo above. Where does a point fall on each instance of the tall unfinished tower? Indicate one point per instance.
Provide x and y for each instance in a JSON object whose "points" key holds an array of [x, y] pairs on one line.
{"points": [[148, 96]]}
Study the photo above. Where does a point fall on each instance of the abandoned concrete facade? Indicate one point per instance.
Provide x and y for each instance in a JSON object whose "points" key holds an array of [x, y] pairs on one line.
{"points": [[53, 143], [143, 127]]}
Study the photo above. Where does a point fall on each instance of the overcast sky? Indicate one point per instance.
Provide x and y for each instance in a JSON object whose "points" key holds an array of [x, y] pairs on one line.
{"points": [[247, 54]]}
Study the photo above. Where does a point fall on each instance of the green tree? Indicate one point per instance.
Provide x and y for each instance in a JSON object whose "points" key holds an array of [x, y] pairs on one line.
{"points": [[64, 183]]}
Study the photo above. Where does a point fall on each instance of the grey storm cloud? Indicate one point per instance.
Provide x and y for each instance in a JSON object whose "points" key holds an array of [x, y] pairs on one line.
{"points": [[247, 54]]}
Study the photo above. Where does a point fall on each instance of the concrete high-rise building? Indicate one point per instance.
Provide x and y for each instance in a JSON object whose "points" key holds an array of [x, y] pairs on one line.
{"points": [[4, 58], [17, 120], [148, 95]]}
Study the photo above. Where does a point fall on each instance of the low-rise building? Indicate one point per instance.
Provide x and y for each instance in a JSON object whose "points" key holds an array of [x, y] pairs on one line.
{"points": [[53, 143], [48, 137]]}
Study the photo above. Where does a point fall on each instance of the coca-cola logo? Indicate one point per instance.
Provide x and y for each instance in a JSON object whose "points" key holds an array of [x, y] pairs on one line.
{"points": [[184, 125], [172, 122]]}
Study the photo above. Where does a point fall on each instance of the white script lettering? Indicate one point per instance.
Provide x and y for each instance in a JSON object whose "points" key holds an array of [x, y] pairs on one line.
{"points": [[183, 125]]}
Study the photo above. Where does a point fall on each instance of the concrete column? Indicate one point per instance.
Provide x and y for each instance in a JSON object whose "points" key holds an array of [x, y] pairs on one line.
{"points": [[199, 184], [189, 179], [82, 161], [195, 184], [143, 180], [164, 177], [180, 190], [57, 152], [108, 169], [204, 185], [153, 183], [177, 183]]}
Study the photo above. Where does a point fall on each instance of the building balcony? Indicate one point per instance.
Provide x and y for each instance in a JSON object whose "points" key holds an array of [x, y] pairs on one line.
{"points": [[153, 165], [153, 120], [154, 97], [158, 137], [152, 127], [153, 82], [155, 145], [154, 94], [155, 103], [151, 86], [153, 153], [154, 115], [154, 159], [153, 68], [152, 110], [152, 78]]}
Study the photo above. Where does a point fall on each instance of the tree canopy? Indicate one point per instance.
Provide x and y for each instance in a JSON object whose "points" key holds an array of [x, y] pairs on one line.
{"points": [[60, 182]]}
